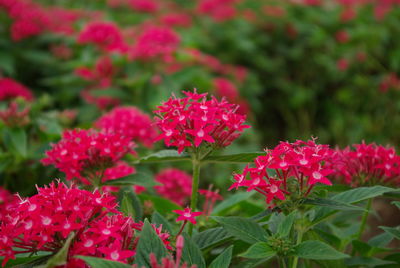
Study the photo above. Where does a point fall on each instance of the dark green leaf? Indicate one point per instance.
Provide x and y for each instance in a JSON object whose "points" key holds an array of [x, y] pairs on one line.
{"points": [[211, 237], [331, 204], [259, 250], [164, 156], [366, 262], [233, 158], [286, 225], [381, 240], [223, 260], [159, 219], [16, 141], [396, 203], [164, 206], [149, 242], [60, 258], [317, 250], [191, 253], [394, 231], [231, 201], [130, 204], [360, 194], [110, 92], [141, 179], [242, 228], [103, 263]]}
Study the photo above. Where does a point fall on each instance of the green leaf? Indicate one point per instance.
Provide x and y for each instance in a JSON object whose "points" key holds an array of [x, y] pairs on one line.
{"points": [[286, 225], [149, 242], [381, 240], [191, 253], [394, 231], [259, 250], [360, 194], [103, 263], [231, 201], [223, 260], [243, 229], [24, 261], [211, 237], [165, 156], [110, 92], [159, 219], [141, 179], [15, 140], [366, 262], [317, 250], [164, 206], [130, 204], [233, 158], [331, 204], [60, 258], [396, 203]]}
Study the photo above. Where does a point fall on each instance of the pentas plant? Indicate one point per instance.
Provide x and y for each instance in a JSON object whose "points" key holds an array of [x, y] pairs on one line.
{"points": [[287, 173], [366, 165], [45, 221], [131, 122], [86, 154], [198, 125], [11, 89], [210, 198], [7, 201], [121, 169]]}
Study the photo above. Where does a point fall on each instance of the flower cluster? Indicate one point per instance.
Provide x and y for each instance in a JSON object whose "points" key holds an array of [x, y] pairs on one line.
{"points": [[7, 201], [13, 116], [44, 221], [225, 88], [297, 168], [149, 6], [11, 89], [106, 35], [176, 185], [155, 42], [195, 120], [210, 198], [219, 10], [131, 122], [86, 154], [367, 164]]}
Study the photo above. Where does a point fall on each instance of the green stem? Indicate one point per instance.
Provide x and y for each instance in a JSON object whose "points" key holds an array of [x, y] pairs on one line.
{"points": [[299, 238], [195, 186], [364, 219], [282, 263]]}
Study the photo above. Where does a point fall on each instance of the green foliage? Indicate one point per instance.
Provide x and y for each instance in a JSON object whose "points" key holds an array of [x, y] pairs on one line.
{"points": [[317, 250]]}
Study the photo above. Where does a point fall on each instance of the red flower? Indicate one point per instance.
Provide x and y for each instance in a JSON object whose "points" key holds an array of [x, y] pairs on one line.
{"points": [[11, 89], [194, 121], [176, 185], [187, 215], [150, 6]]}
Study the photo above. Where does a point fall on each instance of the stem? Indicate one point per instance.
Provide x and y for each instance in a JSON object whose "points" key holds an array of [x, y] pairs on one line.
{"points": [[195, 186], [364, 219], [180, 230], [282, 263], [299, 238]]}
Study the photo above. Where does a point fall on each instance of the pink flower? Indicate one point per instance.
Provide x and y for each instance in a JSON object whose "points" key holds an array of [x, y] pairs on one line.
{"points": [[11, 89], [366, 164], [288, 169], [85, 154], [7, 201], [193, 121], [176, 185], [342, 36], [187, 215], [105, 35], [44, 221], [211, 197], [131, 122], [149, 6], [176, 19], [14, 116], [219, 10], [342, 64], [155, 42]]}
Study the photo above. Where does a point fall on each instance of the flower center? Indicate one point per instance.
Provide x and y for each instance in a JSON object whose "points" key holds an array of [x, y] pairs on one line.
{"points": [[317, 175], [187, 215], [114, 255], [200, 133], [273, 189], [106, 232]]}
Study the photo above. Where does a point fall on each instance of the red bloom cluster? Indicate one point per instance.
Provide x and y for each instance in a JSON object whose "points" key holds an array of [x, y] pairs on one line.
{"points": [[85, 154], [298, 167], [10, 89], [131, 122], [44, 221], [106, 35], [195, 120], [7, 201], [176, 19], [150, 6], [155, 42], [187, 215], [367, 164], [219, 10], [225, 88], [211, 197], [176, 185], [13, 116]]}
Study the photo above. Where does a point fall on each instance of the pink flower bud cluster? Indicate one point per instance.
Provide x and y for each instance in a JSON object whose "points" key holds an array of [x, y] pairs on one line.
{"points": [[176, 185], [288, 171], [11, 89], [366, 164], [13, 116], [86, 154], [44, 221], [131, 122], [194, 120], [106, 35]]}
